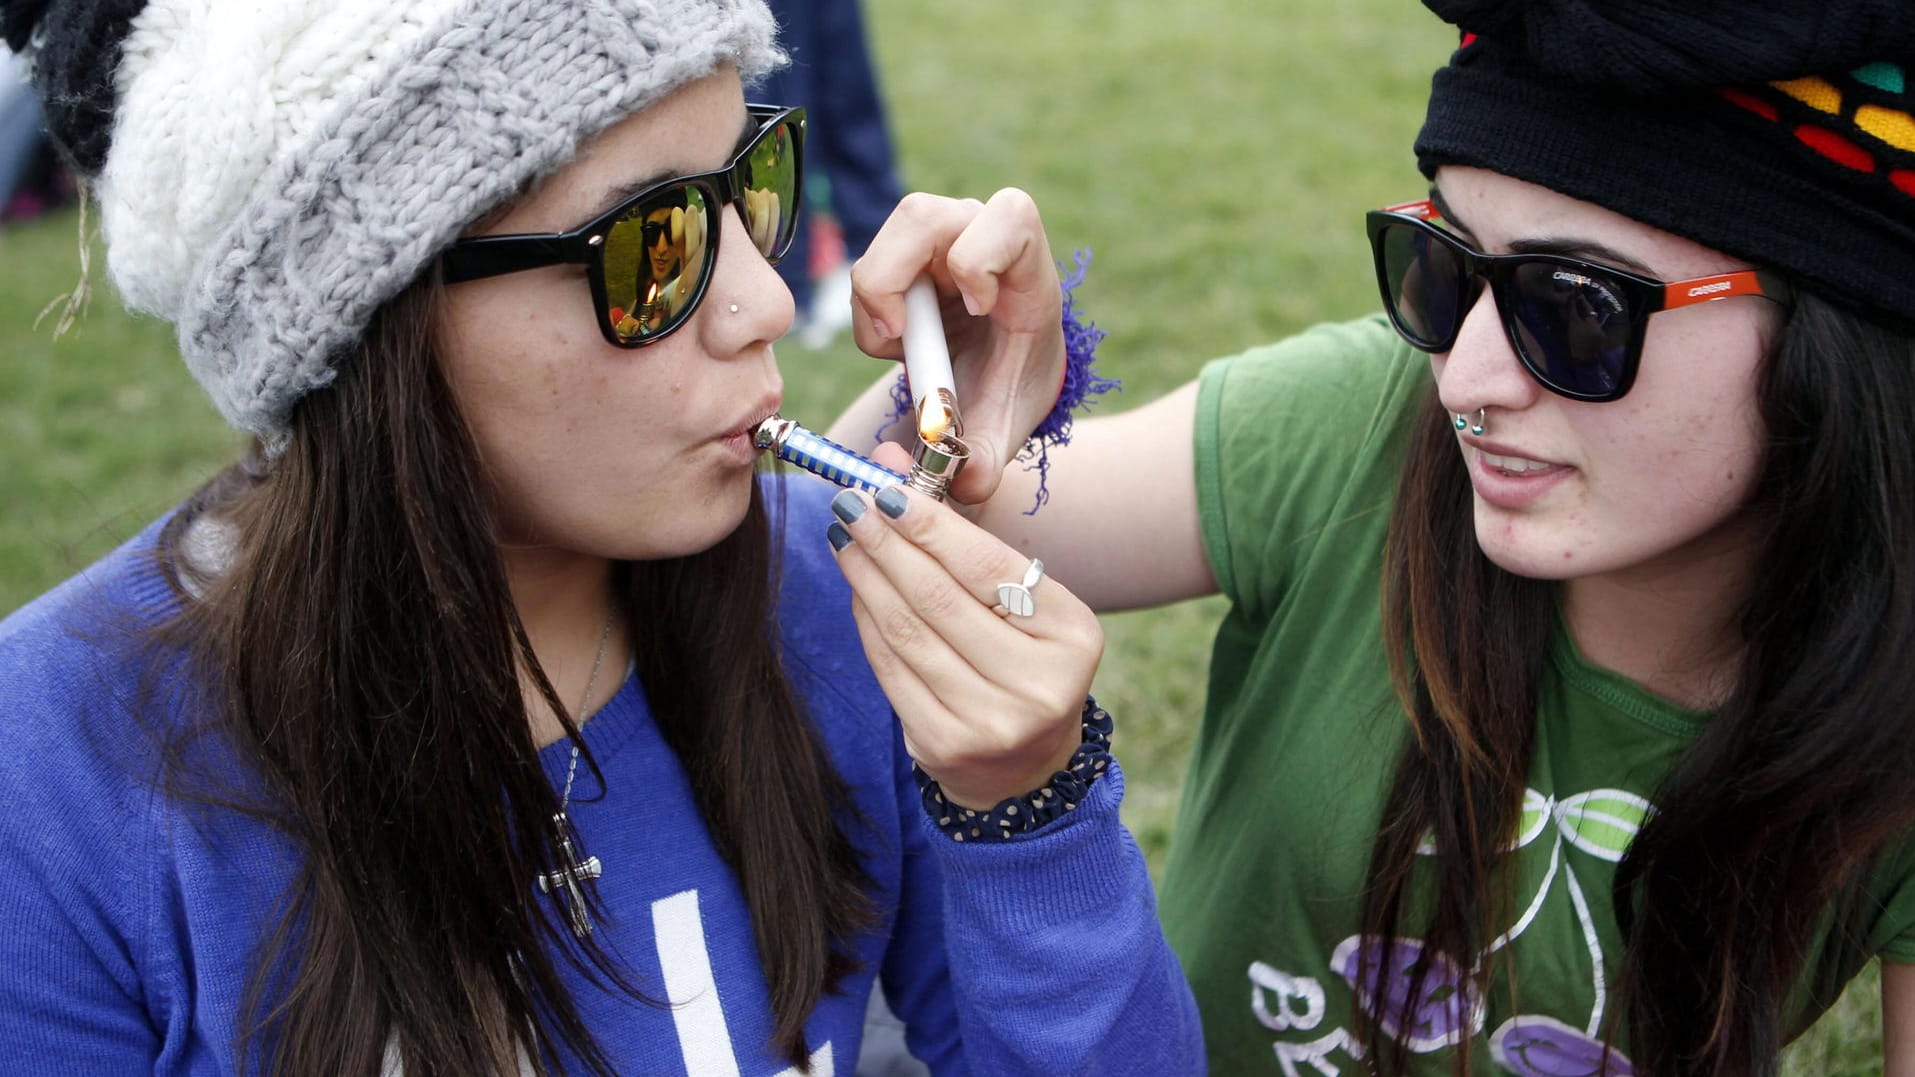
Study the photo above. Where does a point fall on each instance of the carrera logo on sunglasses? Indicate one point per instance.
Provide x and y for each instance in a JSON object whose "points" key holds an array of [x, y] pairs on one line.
{"points": [[1595, 287], [1711, 289]]}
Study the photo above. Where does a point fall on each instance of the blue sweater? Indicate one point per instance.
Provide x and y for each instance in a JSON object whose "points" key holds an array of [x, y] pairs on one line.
{"points": [[128, 923]]}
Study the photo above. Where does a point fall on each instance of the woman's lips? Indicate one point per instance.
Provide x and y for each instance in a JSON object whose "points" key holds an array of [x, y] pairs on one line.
{"points": [[1511, 481], [1512, 465], [739, 446], [740, 442]]}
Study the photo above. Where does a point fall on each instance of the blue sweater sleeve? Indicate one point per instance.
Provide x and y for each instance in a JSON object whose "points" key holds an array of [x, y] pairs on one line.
{"points": [[917, 972], [73, 863], [1056, 961], [69, 990]]}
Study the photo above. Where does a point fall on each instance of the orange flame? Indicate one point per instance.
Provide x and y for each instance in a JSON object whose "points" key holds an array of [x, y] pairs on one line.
{"points": [[935, 421]]}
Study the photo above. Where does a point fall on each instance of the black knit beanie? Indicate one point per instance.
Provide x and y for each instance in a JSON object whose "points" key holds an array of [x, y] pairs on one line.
{"points": [[1778, 131]]}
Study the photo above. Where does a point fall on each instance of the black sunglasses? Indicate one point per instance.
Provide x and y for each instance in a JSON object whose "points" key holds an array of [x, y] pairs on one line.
{"points": [[764, 181], [1577, 326]]}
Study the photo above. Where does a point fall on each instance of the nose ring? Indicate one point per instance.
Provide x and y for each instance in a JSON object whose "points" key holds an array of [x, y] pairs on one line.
{"points": [[1479, 428]]}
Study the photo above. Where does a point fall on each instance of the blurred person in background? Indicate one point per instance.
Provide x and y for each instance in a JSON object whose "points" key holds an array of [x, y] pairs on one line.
{"points": [[491, 714], [850, 157], [1563, 717], [31, 180]]}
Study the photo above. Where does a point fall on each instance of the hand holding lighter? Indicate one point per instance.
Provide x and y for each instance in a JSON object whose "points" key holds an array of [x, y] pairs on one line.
{"points": [[940, 453]]}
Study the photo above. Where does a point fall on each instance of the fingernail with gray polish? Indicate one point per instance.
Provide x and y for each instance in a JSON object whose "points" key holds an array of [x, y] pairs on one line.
{"points": [[892, 502], [848, 506], [840, 538]]}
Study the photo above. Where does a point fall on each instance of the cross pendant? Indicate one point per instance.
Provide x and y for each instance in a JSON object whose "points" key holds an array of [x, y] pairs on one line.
{"points": [[570, 876]]}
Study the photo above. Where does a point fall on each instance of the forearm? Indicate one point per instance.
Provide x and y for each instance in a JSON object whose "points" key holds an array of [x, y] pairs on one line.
{"points": [[869, 421], [1120, 528], [1898, 1019]]}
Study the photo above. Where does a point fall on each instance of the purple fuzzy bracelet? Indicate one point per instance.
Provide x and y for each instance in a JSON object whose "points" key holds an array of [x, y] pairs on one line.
{"points": [[1080, 386]]}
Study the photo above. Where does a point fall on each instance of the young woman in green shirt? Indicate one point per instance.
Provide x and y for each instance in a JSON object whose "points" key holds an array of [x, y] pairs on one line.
{"points": [[1636, 561]]}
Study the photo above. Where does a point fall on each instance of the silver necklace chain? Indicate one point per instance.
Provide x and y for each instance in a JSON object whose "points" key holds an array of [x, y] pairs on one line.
{"points": [[578, 716], [573, 871]]}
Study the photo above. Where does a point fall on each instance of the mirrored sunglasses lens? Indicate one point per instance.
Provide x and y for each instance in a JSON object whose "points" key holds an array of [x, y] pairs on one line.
{"points": [[771, 190], [1573, 327], [655, 258], [1424, 277]]}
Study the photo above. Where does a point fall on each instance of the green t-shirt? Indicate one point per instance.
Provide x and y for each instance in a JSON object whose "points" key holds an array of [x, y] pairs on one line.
{"points": [[1298, 448]]}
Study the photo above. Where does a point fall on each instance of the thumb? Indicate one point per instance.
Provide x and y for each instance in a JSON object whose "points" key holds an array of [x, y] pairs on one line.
{"points": [[894, 456], [979, 479], [974, 485]]}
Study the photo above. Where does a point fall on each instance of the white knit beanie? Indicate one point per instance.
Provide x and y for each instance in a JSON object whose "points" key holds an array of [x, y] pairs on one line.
{"points": [[270, 173]]}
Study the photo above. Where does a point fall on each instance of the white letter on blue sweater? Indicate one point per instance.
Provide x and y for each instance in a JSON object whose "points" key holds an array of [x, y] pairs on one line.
{"points": [[692, 990]]}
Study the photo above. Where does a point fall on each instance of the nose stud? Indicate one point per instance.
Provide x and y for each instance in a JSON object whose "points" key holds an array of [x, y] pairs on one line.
{"points": [[734, 308]]}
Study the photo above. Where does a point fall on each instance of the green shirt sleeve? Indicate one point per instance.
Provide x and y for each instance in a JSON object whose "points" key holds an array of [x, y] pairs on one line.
{"points": [[1292, 436], [1892, 935]]}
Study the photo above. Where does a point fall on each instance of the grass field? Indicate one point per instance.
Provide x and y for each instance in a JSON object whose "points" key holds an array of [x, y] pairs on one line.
{"points": [[1216, 155]]}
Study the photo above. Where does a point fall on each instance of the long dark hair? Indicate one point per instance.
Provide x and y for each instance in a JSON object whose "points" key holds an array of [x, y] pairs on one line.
{"points": [[360, 648], [1771, 820]]}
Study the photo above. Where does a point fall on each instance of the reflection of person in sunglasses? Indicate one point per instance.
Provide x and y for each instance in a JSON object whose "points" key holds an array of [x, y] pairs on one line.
{"points": [[1580, 314], [493, 715], [1559, 721], [667, 287], [665, 240]]}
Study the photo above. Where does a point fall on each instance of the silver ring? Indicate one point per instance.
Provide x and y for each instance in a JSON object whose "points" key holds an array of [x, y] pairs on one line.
{"points": [[1015, 598]]}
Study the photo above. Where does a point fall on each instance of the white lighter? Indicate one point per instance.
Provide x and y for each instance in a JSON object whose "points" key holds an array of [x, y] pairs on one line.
{"points": [[940, 452]]}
